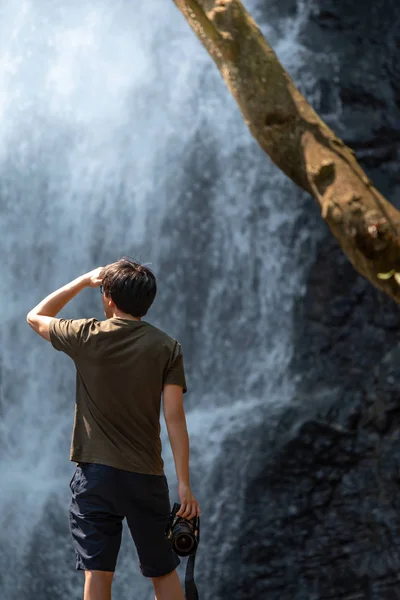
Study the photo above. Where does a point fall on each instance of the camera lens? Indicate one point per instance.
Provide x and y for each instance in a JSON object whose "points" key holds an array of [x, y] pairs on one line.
{"points": [[184, 543]]}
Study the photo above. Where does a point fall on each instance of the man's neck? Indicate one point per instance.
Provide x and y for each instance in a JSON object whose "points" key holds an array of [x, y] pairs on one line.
{"points": [[120, 315]]}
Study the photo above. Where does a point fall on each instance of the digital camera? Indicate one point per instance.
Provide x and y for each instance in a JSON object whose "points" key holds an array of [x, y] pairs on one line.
{"points": [[184, 533]]}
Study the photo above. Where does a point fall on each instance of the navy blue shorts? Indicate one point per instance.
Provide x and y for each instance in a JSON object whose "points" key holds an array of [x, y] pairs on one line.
{"points": [[102, 497]]}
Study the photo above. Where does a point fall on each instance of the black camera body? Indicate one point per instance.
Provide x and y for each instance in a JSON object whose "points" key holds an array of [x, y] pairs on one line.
{"points": [[184, 533]]}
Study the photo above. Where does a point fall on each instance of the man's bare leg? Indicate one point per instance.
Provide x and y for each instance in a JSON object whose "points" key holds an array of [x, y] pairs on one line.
{"points": [[168, 587], [98, 585]]}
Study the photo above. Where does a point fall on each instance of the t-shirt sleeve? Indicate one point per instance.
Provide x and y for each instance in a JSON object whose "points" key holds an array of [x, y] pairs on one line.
{"points": [[175, 373], [69, 335]]}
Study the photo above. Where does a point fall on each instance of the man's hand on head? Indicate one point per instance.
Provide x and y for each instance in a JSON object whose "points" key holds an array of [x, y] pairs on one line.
{"points": [[94, 278]]}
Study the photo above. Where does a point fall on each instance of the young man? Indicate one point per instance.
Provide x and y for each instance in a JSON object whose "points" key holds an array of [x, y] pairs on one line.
{"points": [[123, 366]]}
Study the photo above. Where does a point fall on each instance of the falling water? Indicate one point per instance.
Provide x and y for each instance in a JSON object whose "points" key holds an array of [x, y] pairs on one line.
{"points": [[118, 137]]}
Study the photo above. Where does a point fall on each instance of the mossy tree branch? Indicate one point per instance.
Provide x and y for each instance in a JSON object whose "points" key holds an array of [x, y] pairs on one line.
{"points": [[297, 140]]}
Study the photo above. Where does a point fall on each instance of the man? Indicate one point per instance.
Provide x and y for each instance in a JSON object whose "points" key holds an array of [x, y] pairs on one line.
{"points": [[124, 365]]}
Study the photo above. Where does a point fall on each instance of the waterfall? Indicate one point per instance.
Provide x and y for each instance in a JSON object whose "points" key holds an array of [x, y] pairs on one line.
{"points": [[119, 137]]}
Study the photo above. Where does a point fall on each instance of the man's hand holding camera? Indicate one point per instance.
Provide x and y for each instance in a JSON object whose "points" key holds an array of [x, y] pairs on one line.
{"points": [[189, 505]]}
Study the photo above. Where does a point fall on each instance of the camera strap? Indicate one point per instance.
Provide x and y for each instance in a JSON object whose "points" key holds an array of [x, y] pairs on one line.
{"points": [[190, 586], [191, 592]]}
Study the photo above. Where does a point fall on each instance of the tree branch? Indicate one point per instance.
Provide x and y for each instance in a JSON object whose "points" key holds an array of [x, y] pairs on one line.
{"points": [[297, 140]]}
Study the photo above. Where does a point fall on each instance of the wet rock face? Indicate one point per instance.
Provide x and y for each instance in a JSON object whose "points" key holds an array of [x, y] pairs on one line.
{"points": [[344, 327], [321, 513], [322, 518], [364, 38]]}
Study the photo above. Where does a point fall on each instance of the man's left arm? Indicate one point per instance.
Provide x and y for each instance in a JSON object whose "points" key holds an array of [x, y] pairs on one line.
{"points": [[40, 317]]}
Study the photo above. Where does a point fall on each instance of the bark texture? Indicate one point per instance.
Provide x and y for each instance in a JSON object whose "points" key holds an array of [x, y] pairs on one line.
{"points": [[296, 139]]}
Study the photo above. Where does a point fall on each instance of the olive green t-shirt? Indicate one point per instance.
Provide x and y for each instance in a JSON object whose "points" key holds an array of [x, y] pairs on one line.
{"points": [[121, 369]]}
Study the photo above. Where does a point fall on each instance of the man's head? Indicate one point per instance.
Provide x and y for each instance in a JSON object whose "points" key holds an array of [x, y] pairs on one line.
{"points": [[128, 286]]}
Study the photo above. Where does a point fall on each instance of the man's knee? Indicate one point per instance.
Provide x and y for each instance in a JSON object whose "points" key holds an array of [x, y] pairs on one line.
{"points": [[168, 587], [171, 575], [98, 585], [101, 576]]}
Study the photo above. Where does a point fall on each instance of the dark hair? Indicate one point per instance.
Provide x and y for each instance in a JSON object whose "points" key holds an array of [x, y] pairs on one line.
{"points": [[131, 286]]}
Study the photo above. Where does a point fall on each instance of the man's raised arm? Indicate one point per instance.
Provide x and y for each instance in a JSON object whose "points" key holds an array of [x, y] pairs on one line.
{"points": [[39, 318]]}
